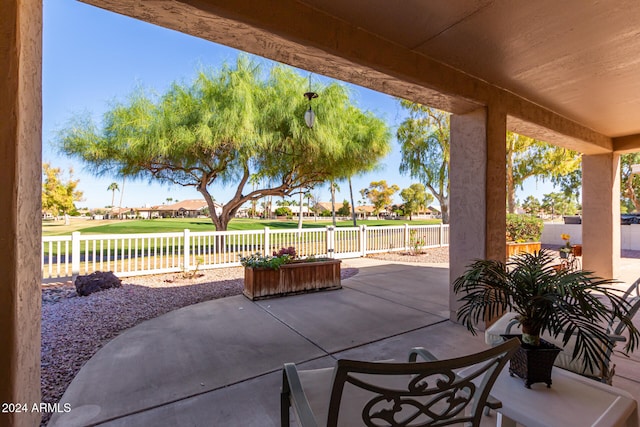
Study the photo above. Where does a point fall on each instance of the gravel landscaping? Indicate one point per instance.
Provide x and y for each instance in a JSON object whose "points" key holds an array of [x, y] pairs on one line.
{"points": [[430, 256], [74, 328]]}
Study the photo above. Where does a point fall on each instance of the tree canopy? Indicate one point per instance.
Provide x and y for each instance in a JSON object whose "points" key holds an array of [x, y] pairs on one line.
{"points": [[528, 157], [558, 203], [59, 196], [424, 139], [380, 194], [230, 127], [531, 205], [415, 198]]}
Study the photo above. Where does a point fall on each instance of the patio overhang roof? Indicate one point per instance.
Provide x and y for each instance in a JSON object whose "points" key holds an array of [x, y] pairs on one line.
{"points": [[564, 71]]}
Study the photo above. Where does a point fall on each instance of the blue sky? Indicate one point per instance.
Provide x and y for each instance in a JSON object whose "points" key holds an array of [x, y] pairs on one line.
{"points": [[93, 58]]}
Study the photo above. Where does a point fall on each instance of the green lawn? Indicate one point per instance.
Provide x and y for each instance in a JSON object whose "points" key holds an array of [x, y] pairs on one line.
{"points": [[167, 225]]}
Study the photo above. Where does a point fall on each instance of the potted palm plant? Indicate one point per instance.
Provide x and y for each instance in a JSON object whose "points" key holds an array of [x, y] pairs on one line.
{"points": [[571, 304]]}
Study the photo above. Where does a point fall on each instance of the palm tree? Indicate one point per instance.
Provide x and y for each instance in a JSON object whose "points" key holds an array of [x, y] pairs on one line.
{"points": [[121, 193], [333, 187], [113, 187], [353, 205]]}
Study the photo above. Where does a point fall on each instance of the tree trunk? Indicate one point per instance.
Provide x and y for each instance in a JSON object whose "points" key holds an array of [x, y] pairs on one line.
{"points": [[444, 208], [511, 186], [333, 203], [219, 221], [300, 211], [511, 195], [631, 194], [353, 205], [121, 195]]}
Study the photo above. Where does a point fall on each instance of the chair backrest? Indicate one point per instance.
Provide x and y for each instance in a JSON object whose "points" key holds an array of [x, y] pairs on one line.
{"points": [[632, 297], [430, 393]]}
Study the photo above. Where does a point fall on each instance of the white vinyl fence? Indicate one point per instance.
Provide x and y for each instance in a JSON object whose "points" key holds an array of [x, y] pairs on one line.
{"points": [[138, 254]]}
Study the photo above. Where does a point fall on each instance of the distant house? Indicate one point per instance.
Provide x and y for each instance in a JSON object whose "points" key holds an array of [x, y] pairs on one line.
{"points": [[435, 212], [296, 209], [324, 207], [362, 212], [117, 213], [186, 209]]}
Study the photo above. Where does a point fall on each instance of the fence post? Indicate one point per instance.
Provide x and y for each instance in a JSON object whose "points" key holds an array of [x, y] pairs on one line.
{"points": [[266, 245], [75, 254], [330, 241], [187, 250], [441, 235], [406, 237], [363, 240]]}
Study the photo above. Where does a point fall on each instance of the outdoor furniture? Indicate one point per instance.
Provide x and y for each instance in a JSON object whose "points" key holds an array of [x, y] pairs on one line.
{"points": [[573, 401], [570, 262], [355, 393], [508, 325]]}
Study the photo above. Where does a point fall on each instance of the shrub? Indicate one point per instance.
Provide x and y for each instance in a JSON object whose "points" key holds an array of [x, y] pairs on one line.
{"points": [[258, 261], [291, 251], [523, 228], [416, 243], [283, 211]]}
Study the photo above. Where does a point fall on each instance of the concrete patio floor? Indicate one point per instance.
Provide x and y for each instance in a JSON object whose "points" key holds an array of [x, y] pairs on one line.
{"points": [[218, 363]]}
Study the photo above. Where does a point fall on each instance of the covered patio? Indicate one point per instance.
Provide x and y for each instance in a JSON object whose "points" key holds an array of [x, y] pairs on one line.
{"points": [[564, 72], [219, 362]]}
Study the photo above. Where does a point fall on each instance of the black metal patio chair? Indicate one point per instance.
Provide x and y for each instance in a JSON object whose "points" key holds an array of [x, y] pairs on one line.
{"points": [[429, 393]]}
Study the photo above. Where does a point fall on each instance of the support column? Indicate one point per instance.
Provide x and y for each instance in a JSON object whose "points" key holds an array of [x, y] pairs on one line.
{"points": [[20, 198], [601, 214], [478, 192]]}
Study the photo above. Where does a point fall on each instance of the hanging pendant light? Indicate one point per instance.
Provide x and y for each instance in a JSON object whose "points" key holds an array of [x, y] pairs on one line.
{"points": [[310, 115]]}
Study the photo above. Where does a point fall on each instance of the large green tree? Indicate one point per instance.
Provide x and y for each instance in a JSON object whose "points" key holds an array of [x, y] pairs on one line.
{"points": [[59, 195], [235, 126], [415, 198], [380, 194], [531, 205], [558, 203], [424, 139], [528, 157]]}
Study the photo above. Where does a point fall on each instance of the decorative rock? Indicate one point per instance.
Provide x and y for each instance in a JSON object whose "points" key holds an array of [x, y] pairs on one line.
{"points": [[95, 282]]}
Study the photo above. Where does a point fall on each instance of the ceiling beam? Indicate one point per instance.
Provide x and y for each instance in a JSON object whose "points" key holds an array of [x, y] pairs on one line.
{"points": [[297, 34], [627, 144]]}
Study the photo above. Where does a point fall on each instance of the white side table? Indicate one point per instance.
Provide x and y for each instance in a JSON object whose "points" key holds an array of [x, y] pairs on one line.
{"points": [[571, 401]]}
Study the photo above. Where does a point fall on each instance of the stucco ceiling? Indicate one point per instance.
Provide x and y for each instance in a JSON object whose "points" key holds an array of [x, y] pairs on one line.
{"points": [[578, 58], [576, 61]]}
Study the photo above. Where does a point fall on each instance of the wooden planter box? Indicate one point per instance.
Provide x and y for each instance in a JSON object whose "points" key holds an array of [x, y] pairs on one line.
{"points": [[293, 278], [526, 247]]}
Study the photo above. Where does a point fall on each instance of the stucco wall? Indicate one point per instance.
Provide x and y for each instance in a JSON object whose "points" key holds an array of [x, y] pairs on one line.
{"points": [[629, 235]]}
